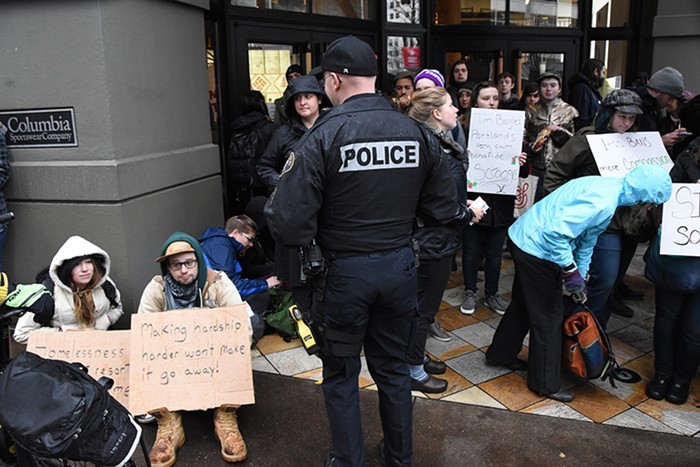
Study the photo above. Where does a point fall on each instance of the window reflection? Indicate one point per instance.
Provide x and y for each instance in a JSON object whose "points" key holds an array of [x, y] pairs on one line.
{"points": [[532, 65], [470, 11], [614, 55], [610, 13], [358, 9], [544, 13], [402, 52], [286, 5], [403, 11]]}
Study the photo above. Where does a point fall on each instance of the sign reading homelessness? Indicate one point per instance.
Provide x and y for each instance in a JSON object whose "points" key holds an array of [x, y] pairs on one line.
{"points": [[616, 154], [104, 353], [680, 234], [192, 359], [40, 128], [495, 141]]}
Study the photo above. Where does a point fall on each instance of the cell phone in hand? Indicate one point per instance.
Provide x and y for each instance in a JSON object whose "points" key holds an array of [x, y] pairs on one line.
{"points": [[684, 134]]}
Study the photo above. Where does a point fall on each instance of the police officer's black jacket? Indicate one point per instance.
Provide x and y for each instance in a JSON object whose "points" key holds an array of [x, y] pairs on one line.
{"points": [[357, 179]]}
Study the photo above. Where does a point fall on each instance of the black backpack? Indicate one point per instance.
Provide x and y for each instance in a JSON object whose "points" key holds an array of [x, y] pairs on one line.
{"points": [[244, 152], [53, 409]]}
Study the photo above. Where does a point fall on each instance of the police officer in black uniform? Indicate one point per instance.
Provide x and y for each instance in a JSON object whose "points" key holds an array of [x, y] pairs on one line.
{"points": [[355, 183]]}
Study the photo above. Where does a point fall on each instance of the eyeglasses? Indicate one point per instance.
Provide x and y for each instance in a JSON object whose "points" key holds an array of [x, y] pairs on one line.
{"points": [[189, 264], [323, 80], [248, 237]]}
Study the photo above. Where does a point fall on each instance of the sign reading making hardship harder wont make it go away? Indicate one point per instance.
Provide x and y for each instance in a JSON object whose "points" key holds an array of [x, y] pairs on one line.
{"points": [[103, 353], [495, 141], [616, 154], [680, 235], [193, 359]]}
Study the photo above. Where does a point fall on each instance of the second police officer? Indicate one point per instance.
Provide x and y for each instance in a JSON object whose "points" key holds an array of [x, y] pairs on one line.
{"points": [[354, 183]]}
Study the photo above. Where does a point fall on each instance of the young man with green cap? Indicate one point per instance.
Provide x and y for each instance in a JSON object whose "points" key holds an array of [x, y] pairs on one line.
{"points": [[186, 282]]}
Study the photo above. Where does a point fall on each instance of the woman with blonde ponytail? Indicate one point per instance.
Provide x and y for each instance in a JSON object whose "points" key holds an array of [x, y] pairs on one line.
{"points": [[432, 108], [84, 295]]}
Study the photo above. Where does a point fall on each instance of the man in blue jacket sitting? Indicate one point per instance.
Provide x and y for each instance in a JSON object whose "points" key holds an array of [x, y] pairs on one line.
{"points": [[221, 249]]}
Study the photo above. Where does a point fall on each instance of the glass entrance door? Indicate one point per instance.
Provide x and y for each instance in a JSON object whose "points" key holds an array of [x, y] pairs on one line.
{"points": [[267, 64]]}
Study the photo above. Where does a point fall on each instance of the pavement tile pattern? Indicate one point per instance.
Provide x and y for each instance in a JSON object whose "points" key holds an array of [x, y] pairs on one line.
{"points": [[471, 381]]}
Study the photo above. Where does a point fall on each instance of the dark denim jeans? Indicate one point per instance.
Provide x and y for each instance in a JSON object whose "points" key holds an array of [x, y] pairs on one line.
{"points": [[611, 257], [677, 333], [486, 241]]}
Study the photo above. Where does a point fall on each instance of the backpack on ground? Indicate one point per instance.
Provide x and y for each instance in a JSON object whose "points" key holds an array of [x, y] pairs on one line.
{"points": [[587, 350], [278, 317], [54, 409]]}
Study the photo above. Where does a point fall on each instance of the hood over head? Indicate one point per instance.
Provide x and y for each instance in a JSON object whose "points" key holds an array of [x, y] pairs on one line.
{"points": [[645, 184], [183, 243], [74, 250], [302, 85]]}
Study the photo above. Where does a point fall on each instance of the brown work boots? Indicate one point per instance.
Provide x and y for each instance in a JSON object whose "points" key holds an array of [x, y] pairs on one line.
{"points": [[233, 448], [169, 438]]}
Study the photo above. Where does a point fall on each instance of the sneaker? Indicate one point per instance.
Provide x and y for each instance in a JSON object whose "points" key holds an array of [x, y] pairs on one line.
{"points": [[469, 304], [495, 302], [438, 333]]}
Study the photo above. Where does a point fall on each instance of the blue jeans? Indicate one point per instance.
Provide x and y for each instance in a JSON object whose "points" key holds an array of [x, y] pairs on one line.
{"points": [[611, 257], [489, 242], [368, 300], [677, 333]]}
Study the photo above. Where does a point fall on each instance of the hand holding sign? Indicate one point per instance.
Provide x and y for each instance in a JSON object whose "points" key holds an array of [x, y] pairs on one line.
{"points": [[495, 143]]}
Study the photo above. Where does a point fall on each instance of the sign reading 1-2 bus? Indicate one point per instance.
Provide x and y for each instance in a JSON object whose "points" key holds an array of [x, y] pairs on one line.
{"points": [[40, 128]]}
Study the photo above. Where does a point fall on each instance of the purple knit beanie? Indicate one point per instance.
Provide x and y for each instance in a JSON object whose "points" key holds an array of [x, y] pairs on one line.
{"points": [[433, 75]]}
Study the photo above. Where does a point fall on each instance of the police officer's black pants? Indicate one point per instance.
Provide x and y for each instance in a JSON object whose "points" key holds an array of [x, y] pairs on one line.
{"points": [[373, 296], [537, 306]]}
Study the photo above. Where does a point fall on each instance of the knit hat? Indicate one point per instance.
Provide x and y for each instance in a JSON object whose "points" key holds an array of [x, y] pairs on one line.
{"points": [[182, 243], [349, 55], [667, 80], [625, 101], [464, 89], [294, 68], [433, 75]]}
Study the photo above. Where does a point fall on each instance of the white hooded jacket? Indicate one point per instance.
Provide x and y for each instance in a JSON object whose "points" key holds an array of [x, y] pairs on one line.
{"points": [[64, 317]]}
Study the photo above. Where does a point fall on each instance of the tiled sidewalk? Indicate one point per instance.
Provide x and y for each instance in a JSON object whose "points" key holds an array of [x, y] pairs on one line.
{"points": [[471, 381]]}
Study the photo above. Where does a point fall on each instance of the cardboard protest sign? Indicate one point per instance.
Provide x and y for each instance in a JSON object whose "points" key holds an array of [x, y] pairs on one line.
{"points": [[495, 141], [616, 154], [680, 235], [104, 353], [192, 359]]}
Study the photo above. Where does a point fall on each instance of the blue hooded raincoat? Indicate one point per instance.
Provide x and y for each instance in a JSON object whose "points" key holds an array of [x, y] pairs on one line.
{"points": [[563, 227]]}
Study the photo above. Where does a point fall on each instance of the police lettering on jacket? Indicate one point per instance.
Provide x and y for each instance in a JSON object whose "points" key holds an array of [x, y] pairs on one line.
{"points": [[379, 155]]}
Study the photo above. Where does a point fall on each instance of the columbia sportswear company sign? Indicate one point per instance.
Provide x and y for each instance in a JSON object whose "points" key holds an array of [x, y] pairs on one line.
{"points": [[40, 128]]}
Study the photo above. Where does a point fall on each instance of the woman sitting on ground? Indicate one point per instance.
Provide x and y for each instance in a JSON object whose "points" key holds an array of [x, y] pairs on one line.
{"points": [[84, 297]]}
